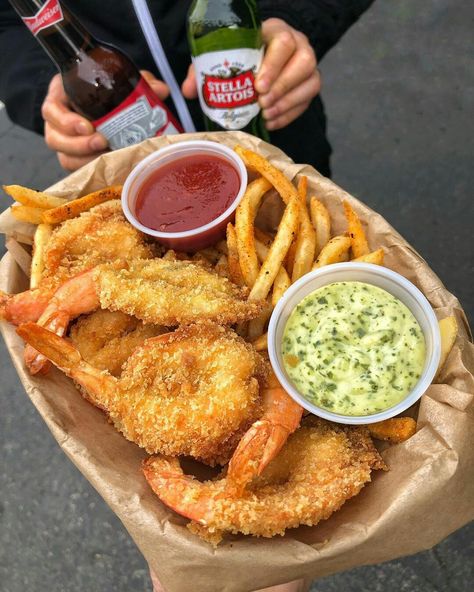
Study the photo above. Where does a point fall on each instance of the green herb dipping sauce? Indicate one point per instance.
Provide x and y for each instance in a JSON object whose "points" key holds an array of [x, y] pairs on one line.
{"points": [[353, 349]]}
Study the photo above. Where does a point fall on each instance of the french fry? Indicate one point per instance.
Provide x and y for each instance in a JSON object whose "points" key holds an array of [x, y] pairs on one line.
{"points": [[27, 214], [375, 257], [244, 223], [321, 222], [260, 164], [261, 343], [32, 198], [290, 257], [448, 329], [395, 430], [235, 272], [282, 281], [359, 244], [222, 247], [73, 208], [42, 236], [280, 285], [256, 327], [335, 251], [278, 250], [306, 239]]}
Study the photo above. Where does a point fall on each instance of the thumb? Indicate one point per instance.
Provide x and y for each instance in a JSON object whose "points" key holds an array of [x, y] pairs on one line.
{"points": [[160, 89], [189, 86]]}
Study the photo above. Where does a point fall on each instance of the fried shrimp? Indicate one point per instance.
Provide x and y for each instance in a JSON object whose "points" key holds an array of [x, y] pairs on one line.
{"points": [[265, 438], [154, 290], [98, 236], [321, 466], [193, 392], [106, 339]]}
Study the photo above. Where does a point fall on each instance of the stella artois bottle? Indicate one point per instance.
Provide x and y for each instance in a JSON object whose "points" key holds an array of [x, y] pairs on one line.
{"points": [[226, 44], [101, 82]]}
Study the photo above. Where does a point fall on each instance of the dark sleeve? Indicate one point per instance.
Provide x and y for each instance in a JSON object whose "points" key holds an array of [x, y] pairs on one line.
{"points": [[322, 21], [25, 71]]}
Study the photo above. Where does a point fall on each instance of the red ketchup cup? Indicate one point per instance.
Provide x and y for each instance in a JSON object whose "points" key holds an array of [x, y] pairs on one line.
{"points": [[183, 195]]}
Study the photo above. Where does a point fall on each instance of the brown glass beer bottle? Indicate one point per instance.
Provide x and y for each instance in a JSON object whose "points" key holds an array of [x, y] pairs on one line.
{"points": [[101, 82]]}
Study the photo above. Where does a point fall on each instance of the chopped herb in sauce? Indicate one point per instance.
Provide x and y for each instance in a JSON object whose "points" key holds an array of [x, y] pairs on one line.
{"points": [[359, 350]]}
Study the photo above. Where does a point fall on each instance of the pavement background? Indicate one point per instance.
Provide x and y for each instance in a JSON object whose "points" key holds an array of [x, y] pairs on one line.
{"points": [[399, 96]]}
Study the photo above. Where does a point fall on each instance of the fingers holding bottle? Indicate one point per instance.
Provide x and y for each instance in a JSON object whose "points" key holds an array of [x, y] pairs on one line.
{"points": [[288, 79]]}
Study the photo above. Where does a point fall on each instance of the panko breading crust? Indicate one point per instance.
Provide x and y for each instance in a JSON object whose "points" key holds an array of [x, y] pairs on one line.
{"points": [[172, 292], [106, 339], [320, 467]]}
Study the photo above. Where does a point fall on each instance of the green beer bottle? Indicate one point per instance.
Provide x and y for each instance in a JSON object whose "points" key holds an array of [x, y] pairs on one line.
{"points": [[225, 38]]}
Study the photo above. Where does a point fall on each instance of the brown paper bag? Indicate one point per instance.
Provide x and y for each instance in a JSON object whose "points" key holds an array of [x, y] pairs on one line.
{"points": [[427, 493]]}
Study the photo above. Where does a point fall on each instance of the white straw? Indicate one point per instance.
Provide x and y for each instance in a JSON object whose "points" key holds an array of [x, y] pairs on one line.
{"points": [[156, 49]]}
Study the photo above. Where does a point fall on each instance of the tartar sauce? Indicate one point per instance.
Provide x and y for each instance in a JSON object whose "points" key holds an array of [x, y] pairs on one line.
{"points": [[353, 348]]}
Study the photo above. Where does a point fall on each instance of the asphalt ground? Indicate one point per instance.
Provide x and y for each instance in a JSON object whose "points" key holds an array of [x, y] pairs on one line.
{"points": [[399, 95]]}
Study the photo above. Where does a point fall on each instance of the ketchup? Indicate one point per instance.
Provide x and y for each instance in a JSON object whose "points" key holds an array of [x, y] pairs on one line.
{"points": [[187, 193]]}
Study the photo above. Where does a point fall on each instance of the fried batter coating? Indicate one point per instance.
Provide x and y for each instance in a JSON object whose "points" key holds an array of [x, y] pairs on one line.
{"points": [[320, 467], [106, 339], [172, 292], [100, 235], [193, 392]]}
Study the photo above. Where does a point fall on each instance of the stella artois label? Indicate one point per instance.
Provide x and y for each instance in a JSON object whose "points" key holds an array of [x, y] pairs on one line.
{"points": [[225, 81], [49, 14]]}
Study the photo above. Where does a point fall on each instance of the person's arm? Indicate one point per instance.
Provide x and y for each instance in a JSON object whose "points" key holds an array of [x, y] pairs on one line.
{"points": [[322, 21], [25, 71]]}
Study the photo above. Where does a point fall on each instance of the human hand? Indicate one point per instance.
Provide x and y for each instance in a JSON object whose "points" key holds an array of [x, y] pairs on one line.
{"points": [[288, 78], [72, 136]]}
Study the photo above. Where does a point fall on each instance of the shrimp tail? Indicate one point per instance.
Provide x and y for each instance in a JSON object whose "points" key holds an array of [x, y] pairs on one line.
{"points": [[183, 493], [23, 307], [99, 385]]}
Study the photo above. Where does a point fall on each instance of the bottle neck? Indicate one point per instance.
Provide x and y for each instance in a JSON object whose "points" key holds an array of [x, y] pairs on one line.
{"points": [[60, 34]]}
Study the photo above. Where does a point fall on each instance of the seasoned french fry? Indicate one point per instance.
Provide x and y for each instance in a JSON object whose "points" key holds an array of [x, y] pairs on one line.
{"points": [[73, 208], [32, 198], [261, 343], [280, 285], [27, 214], [375, 257], [395, 430], [278, 250], [235, 272], [321, 223], [260, 164], [42, 236], [335, 251], [256, 327], [290, 257], [448, 329], [306, 239], [359, 244], [282, 281], [222, 247], [244, 227]]}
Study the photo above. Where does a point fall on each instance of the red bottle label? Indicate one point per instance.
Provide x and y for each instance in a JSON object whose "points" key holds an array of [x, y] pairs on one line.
{"points": [[49, 14], [140, 116], [222, 93]]}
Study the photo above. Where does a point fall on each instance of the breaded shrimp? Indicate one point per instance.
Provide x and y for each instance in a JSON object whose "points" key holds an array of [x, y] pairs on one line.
{"points": [[106, 339], [192, 392], [154, 290], [100, 235], [321, 466], [266, 437]]}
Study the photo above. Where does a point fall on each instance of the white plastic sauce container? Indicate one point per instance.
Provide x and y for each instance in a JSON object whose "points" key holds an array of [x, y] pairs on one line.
{"points": [[378, 276]]}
